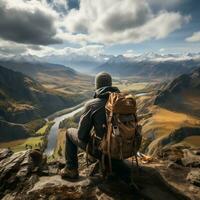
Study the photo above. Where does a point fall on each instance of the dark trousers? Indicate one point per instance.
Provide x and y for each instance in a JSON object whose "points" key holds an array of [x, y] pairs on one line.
{"points": [[71, 154], [71, 151]]}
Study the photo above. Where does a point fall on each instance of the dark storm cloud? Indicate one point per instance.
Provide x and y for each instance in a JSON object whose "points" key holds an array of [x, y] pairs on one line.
{"points": [[11, 50], [23, 26], [126, 20]]}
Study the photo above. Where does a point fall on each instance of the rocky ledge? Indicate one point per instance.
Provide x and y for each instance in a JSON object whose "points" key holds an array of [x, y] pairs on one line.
{"points": [[27, 175]]}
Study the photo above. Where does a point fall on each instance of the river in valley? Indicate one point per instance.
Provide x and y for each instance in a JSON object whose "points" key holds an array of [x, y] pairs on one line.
{"points": [[52, 136]]}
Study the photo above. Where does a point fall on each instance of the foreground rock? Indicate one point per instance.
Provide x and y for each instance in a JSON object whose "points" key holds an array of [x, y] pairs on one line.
{"points": [[194, 177], [25, 175]]}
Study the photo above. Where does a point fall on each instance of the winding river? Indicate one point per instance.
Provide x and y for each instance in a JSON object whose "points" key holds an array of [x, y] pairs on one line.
{"points": [[52, 136]]}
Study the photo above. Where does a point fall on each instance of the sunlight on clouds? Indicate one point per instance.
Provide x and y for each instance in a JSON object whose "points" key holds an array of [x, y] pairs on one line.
{"points": [[194, 38], [90, 50], [33, 26], [131, 54], [31, 6], [125, 21]]}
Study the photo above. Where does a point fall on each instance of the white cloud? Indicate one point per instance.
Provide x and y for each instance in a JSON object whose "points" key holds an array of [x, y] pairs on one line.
{"points": [[95, 22], [195, 37], [162, 50], [131, 54], [31, 6], [9, 48], [7, 51], [60, 3], [90, 53], [117, 21], [74, 38], [91, 50]]}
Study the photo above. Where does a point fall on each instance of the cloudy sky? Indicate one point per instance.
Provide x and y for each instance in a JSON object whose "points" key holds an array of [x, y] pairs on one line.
{"points": [[93, 27]]}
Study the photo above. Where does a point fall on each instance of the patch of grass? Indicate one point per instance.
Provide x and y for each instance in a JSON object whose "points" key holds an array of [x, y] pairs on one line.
{"points": [[193, 141], [23, 144], [66, 84], [34, 125], [165, 121], [59, 151], [71, 122], [128, 86], [45, 129]]}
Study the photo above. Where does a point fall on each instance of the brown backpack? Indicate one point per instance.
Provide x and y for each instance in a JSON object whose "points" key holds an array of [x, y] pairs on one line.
{"points": [[122, 139]]}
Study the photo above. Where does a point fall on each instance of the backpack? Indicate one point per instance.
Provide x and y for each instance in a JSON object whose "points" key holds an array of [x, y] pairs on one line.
{"points": [[122, 139]]}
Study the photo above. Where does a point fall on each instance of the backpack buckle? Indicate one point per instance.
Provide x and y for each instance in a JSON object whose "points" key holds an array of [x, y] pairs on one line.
{"points": [[116, 131]]}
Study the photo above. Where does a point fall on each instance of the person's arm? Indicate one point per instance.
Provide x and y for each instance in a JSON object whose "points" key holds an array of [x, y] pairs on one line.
{"points": [[85, 124]]}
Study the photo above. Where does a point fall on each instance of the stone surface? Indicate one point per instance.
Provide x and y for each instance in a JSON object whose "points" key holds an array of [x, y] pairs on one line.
{"points": [[26, 176], [181, 155], [17, 169], [190, 159], [194, 177], [4, 153]]}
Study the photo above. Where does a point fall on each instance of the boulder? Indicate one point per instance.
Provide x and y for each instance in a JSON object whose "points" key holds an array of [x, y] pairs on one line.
{"points": [[4, 153], [26, 175], [190, 159], [194, 177], [16, 170]]}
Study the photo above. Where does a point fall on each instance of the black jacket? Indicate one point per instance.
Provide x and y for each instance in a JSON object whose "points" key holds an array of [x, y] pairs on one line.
{"points": [[94, 114]]}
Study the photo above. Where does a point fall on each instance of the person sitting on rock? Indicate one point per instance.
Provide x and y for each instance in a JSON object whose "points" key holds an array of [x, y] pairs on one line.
{"points": [[93, 117]]}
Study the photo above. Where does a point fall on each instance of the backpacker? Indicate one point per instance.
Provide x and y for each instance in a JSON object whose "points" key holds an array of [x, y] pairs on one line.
{"points": [[122, 139]]}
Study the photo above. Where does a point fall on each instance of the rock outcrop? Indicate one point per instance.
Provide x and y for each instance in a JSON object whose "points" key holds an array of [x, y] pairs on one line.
{"points": [[27, 175]]}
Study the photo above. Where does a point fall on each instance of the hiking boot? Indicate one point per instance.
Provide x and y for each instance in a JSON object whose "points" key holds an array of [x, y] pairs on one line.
{"points": [[69, 173]]}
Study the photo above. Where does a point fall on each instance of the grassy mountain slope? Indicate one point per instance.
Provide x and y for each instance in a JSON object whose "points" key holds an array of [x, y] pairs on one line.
{"points": [[53, 76], [173, 113], [23, 99], [182, 94]]}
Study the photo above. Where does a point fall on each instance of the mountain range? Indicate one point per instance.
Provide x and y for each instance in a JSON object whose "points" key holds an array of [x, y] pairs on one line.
{"points": [[149, 65], [150, 68]]}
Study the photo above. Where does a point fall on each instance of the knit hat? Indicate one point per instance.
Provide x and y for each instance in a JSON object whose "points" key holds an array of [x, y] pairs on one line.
{"points": [[103, 79]]}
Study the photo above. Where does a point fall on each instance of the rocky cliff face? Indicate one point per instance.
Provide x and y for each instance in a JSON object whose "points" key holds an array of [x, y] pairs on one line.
{"points": [[27, 175]]}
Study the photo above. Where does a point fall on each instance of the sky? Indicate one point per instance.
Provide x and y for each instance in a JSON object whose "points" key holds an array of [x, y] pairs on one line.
{"points": [[96, 27]]}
